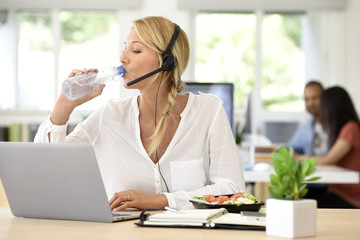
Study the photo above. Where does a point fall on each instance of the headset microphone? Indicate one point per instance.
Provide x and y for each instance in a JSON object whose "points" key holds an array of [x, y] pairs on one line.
{"points": [[145, 76], [169, 60]]}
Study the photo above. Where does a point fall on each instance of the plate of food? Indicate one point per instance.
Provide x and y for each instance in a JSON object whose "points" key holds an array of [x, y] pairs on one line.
{"points": [[234, 203]]}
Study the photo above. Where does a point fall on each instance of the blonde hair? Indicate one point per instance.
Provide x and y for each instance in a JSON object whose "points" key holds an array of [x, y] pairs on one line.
{"points": [[156, 32]]}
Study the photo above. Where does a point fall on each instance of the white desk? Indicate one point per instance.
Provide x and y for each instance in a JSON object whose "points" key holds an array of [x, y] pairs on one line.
{"points": [[328, 174]]}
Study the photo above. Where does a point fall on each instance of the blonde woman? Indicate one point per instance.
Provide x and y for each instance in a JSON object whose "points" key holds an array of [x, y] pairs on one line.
{"points": [[159, 148]]}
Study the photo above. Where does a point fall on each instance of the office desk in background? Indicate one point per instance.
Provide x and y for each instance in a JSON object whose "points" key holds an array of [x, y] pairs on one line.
{"points": [[262, 152], [331, 224], [329, 174], [258, 181]]}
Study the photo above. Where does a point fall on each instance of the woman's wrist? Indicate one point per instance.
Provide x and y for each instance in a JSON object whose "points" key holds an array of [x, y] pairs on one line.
{"points": [[161, 200], [62, 110]]}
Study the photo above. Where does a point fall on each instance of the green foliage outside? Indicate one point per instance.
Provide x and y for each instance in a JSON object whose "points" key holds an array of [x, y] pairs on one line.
{"points": [[225, 49], [76, 27], [292, 25], [226, 52], [35, 27], [288, 182], [283, 61]]}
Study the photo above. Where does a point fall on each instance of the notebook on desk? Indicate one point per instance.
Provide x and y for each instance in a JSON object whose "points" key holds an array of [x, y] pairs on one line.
{"points": [[204, 218], [55, 181]]}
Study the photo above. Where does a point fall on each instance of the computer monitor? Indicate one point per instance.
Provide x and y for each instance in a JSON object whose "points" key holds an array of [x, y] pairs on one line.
{"points": [[224, 91]]}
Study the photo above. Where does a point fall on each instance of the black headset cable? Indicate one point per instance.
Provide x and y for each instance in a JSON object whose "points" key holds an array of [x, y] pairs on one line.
{"points": [[156, 152]]}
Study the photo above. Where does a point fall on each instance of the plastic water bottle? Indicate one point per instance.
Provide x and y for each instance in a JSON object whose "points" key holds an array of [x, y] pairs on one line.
{"points": [[78, 86]]}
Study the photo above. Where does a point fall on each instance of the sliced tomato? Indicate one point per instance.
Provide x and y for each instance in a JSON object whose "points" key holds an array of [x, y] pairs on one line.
{"points": [[222, 199], [236, 196], [210, 198]]}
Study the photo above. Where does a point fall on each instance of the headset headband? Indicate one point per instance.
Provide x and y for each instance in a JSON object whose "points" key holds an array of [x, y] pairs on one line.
{"points": [[173, 39]]}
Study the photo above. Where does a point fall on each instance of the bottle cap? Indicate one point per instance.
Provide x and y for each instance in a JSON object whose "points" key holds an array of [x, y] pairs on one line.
{"points": [[121, 71]]}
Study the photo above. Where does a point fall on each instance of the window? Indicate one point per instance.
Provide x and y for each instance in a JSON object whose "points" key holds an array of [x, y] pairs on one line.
{"points": [[283, 62], [226, 52], [35, 61], [49, 45], [89, 39]]}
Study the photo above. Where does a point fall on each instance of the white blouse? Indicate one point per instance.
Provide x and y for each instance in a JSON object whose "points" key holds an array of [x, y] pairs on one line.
{"points": [[201, 158]]}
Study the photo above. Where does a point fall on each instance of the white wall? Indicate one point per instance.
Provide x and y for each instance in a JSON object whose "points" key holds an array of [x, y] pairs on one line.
{"points": [[352, 51], [170, 10]]}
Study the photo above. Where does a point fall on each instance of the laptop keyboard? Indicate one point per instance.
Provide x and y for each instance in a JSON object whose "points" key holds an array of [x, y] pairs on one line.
{"points": [[122, 214]]}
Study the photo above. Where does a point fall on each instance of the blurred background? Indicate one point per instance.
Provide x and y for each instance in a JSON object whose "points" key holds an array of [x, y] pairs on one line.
{"points": [[268, 50]]}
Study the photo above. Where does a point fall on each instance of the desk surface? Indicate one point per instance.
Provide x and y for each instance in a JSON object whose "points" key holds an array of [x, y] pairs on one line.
{"points": [[328, 174], [331, 224]]}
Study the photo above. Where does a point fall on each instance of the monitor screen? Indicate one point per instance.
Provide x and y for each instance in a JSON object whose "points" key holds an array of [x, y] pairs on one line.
{"points": [[224, 91]]}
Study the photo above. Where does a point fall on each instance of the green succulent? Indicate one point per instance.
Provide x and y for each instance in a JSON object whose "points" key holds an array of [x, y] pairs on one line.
{"points": [[288, 182]]}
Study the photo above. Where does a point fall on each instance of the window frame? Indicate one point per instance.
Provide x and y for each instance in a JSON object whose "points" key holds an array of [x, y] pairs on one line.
{"points": [[13, 113], [332, 71], [259, 115], [257, 110]]}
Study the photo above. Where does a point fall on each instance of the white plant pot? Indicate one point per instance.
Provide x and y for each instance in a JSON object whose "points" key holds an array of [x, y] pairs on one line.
{"points": [[291, 219]]}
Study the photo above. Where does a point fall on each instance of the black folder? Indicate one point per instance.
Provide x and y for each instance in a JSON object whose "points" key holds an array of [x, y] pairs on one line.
{"points": [[202, 218]]}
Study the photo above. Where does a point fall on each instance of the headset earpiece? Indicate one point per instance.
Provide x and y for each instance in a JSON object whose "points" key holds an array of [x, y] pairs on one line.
{"points": [[169, 60]]}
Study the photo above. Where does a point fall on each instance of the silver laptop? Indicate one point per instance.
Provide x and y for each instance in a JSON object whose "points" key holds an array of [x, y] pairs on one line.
{"points": [[55, 181]]}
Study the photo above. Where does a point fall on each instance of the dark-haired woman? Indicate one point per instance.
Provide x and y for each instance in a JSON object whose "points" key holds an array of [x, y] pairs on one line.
{"points": [[340, 120]]}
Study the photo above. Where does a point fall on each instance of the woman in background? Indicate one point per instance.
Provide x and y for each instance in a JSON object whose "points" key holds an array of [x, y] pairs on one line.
{"points": [[340, 120], [159, 148]]}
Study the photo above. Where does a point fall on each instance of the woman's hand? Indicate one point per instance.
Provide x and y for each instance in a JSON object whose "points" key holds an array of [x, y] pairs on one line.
{"points": [[134, 199], [64, 107], [88, 97]]}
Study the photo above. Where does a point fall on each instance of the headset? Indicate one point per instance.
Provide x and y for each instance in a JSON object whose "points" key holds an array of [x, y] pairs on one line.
{"points": [[168, 59], [168, 63]]}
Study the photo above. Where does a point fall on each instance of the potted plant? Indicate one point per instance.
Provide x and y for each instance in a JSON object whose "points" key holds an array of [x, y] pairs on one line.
{"points": [[287, 213]]}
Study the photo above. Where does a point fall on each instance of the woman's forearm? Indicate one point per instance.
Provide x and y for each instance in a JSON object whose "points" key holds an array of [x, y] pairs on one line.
{"points": [[62, 110]]}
